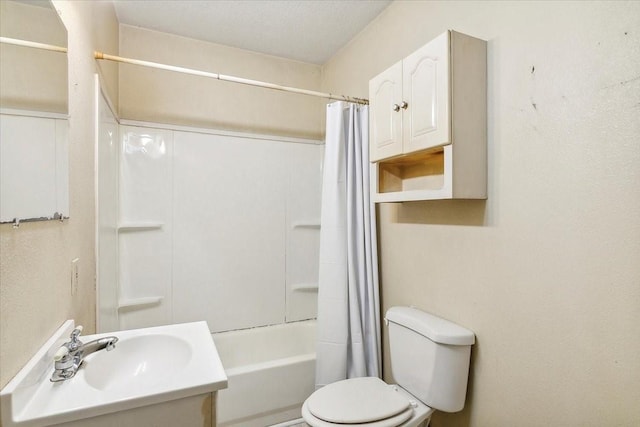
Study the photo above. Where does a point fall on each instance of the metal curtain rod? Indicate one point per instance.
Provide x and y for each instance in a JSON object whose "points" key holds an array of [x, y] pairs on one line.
{"points": [[36, 45], [104, 56]]}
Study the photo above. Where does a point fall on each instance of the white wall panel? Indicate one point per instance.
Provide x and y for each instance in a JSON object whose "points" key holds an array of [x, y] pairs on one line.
{"points": [[145, 191], [222, 228], [229, 231], [145, 238], [145, 272], [304, 187]]}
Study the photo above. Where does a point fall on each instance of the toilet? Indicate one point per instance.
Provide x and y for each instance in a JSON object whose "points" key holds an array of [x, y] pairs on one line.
{"points": [[430, 363]]}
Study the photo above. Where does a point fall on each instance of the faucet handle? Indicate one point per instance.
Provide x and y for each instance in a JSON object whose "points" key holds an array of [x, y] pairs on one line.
{"points": [[61, 353], [76, 332], [75, 343]]}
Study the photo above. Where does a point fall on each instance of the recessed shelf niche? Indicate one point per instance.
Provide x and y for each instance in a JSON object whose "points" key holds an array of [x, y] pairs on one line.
{"points": [[419, 172]]}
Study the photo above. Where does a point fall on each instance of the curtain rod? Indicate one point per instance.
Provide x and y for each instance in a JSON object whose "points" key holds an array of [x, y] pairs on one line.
{"points": [[26, 43], [104, 56]]}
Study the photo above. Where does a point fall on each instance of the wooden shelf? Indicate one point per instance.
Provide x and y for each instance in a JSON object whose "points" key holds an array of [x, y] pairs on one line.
{"points": [[421, 171], [424, 175]]}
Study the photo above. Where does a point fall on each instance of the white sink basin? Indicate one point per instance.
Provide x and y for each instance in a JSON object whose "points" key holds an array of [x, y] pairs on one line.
{"points": [[147, 366], [140, 361]]}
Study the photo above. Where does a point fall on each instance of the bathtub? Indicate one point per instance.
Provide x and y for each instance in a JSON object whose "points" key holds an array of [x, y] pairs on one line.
{"points": [[271, 371]]}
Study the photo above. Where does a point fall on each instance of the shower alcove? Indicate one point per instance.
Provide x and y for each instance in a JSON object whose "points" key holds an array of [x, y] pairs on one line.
{"points": [[201, 224]]}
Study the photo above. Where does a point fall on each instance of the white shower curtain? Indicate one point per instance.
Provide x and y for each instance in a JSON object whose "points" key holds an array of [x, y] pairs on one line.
{"points": [[348, 301]]}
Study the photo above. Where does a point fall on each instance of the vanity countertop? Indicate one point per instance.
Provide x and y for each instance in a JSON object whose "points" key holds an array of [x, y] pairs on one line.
{"points": [[148, 366]]}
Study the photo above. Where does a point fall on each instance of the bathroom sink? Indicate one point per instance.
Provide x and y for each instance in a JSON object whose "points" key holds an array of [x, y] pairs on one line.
{"points": [[140, 362], [147, 366]]}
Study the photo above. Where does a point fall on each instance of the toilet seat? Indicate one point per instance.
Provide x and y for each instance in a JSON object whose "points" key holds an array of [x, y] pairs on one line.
{"points": [[364, 401], [389, 422]]}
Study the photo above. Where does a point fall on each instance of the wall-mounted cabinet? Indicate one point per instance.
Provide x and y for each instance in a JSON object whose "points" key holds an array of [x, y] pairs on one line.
{"points": [[428, 123]]}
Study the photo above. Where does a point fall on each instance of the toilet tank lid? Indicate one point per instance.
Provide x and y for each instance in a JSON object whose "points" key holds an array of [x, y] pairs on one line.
{"points": [[433, 327]]}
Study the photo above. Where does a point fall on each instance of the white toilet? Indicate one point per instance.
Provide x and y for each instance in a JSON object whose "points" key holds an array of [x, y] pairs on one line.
{"points": [[430, 363]]}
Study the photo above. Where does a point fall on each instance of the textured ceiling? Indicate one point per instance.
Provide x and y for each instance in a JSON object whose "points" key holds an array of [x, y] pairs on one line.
{"points": [[305, 30]]}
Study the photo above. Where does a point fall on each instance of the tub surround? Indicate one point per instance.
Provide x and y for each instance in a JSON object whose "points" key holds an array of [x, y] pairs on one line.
{"points": [[181, 188]]}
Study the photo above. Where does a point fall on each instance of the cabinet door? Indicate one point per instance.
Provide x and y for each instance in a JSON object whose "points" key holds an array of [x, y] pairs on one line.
{"points": [[426, 119], [385, 96]]}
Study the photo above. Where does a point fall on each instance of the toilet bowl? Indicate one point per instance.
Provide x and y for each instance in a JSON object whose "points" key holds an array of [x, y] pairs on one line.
{"points": [[366, 401], [430, 363]]}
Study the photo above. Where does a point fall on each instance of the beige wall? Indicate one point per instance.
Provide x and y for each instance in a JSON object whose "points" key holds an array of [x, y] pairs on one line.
{"points": [[547, 270], [168, 97], [32, 79], [35, 259]]}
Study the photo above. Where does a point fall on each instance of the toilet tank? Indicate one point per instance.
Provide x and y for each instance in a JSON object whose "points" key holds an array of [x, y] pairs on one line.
{"points": [[430, 357]]}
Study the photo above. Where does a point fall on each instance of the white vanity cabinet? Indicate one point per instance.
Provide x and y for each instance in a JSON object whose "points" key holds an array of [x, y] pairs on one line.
{"points": [[428, 123]]}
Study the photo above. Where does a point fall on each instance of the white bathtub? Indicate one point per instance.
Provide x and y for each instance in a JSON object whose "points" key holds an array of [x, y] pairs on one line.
{"points": [[271, 371]]}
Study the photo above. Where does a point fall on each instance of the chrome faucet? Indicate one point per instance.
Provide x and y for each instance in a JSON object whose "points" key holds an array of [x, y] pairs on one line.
{"points": [[70, 356]]}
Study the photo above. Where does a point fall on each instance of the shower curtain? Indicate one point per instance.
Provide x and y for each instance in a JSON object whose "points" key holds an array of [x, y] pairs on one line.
{"points": [[348, 343]]}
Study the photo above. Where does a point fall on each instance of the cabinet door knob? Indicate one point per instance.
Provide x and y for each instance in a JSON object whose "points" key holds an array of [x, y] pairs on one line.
{"points": [[396, 107], [404, 105]]}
